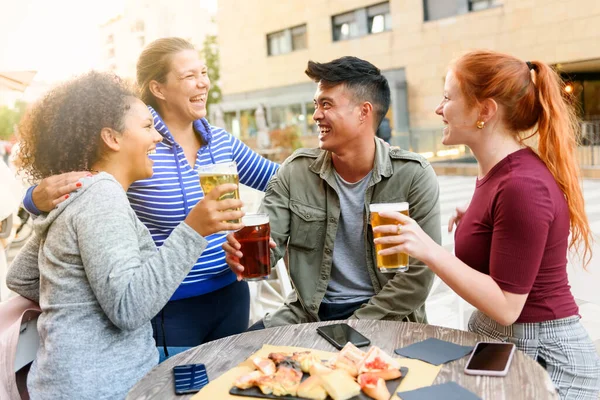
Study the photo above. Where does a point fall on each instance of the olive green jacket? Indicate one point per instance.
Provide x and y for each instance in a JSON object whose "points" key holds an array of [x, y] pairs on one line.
{"points": [[304, 208]]}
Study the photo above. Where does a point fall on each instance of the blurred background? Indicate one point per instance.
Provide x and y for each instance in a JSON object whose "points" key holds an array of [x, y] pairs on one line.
{"points": [[257, 51]]}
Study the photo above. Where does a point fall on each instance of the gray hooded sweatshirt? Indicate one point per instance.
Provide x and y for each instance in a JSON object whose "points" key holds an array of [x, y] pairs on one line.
{"points": [[99, 279]]}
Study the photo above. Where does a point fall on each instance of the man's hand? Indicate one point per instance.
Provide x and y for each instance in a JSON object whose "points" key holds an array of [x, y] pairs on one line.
{"points": [[233, 254], [55, 189]]}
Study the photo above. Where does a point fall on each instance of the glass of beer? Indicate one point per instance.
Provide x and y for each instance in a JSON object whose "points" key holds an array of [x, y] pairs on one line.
{"points": [[218, 174], [394, 262], [254, 241]]}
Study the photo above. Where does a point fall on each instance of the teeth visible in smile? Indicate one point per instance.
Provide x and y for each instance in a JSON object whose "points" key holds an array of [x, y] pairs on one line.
{"points": [[324, 129], [201, 97], [151, 152]]}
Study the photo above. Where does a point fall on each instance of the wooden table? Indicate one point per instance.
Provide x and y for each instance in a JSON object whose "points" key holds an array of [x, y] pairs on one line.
{"points": [[526, 379]]}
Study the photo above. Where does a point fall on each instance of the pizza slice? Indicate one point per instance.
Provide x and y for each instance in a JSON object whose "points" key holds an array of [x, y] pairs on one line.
{"points": [[374, 386], [378, 362]]}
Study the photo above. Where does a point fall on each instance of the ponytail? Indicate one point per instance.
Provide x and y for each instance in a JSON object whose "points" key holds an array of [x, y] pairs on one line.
{"points": [[558, 130]]}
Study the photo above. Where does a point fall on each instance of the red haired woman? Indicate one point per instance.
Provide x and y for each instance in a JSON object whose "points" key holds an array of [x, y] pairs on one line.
{"points": [[512, 241]]}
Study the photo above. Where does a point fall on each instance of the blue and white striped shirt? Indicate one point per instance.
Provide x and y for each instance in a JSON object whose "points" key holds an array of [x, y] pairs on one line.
{"points": [[164, 200]]}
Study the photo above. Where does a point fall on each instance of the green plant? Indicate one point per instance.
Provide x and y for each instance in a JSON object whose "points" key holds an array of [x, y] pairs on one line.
{"points": [[286, 138], [210, 54]]}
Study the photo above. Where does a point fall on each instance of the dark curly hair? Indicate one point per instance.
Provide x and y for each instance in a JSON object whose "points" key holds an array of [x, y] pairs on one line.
{"points": [[61, 132]]}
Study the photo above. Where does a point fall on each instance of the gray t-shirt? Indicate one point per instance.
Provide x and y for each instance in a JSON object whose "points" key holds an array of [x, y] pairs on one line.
{"points": [[350, 281]]}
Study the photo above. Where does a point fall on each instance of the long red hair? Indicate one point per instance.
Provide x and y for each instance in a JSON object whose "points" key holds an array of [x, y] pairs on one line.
{"points": [[535, 100]]}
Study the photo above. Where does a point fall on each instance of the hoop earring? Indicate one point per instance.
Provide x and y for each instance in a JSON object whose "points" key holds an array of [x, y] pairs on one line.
{"points": [[480, 124]]}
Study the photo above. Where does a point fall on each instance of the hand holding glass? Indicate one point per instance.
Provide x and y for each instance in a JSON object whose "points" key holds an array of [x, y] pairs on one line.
{"points": [[217, 174], [254, 242], [397, 262]]}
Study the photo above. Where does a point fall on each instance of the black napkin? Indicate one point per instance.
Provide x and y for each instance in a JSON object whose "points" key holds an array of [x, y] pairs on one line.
{"points": [[434, 351], [446, 391]]}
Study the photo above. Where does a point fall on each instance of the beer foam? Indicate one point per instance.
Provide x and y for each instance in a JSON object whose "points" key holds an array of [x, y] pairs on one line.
{"points": [[379, 207], [255, 219]]}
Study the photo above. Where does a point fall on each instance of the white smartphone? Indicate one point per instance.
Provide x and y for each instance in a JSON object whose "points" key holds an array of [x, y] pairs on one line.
{"points": [[490, 358]]}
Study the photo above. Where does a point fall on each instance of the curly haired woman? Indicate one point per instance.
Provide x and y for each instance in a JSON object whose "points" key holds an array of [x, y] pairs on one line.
{"points": [[92, 265]]}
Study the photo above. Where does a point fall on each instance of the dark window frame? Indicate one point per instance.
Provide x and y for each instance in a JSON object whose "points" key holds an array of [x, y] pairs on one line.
{"points": [[356, 13], [290, 33], [490, 4]]}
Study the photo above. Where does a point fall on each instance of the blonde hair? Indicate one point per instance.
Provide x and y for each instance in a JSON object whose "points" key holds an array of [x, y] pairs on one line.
{"points": [[155, 63]]}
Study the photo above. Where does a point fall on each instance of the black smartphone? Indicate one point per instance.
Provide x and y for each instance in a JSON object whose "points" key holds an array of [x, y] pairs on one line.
{"points": [[490, 358], [189, 378], [340, 334]]}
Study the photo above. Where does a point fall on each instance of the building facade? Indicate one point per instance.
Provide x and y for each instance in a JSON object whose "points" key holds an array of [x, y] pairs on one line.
{"points": [[412, 41], [143, 21]]}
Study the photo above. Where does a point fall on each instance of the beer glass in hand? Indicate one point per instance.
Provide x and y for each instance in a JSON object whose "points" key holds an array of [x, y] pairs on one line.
{"points": [[393, 262], [217, 174], [254, 242]]}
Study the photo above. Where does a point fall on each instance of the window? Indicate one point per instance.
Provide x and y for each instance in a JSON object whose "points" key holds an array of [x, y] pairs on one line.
{"points": [[345, 26], [299, 37], [361, 22], [287, 40], [110, 39], [111, 52], [379, 18], [278, 43], [477, 5], [438, 9], [141, 41]]}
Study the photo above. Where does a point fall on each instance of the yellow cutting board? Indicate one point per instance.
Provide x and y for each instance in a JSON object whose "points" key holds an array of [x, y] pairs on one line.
{"points": [[420, 374]]}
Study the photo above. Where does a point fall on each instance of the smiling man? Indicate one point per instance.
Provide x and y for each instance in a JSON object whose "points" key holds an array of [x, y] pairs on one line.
{"points": [[319, 199]]}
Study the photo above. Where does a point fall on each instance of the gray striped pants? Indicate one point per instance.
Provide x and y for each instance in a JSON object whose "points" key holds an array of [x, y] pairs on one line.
{"points": [[561, 346]]}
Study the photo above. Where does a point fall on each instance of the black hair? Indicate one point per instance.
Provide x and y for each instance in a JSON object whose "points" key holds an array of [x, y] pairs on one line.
{"points": [[361, 77]]}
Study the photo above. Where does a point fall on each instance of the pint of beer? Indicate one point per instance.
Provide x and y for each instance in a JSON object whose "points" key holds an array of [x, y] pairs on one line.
{"points": [[395, 262], [254, 241], [218, 174]]}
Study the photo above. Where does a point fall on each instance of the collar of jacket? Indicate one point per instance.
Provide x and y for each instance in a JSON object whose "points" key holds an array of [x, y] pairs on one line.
{"points": [[201, 127], [382, 165]]}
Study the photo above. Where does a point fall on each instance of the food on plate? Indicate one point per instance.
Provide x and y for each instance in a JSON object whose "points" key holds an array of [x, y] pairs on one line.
{"points": [[306, 360], [353, 353], [319, 369], [281, 374], [343, 363], [340, 385], [312, 388], [379, 363], [373, 386], [248, 380], [265, 365], [265, 383]]}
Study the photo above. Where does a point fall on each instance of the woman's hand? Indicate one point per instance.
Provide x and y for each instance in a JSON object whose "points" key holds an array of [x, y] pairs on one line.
{"points": [[54, 189], [233, 254], [210, 215], [456, 217], [406, 237]]}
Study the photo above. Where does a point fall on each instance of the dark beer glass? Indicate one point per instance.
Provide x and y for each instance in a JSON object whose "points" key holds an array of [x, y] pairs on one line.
{"points": [[254, 241]]}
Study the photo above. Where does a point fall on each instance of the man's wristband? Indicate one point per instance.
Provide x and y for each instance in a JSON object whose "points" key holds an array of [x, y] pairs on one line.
{"points": [[28, 202]]}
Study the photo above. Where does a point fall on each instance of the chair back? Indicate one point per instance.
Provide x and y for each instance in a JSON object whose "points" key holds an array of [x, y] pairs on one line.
{"points": [[19, 341]]}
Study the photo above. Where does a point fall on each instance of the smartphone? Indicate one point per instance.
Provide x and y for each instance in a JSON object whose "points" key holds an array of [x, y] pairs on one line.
{"points": [[189, 378], [340, 334], [490, 358]]}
